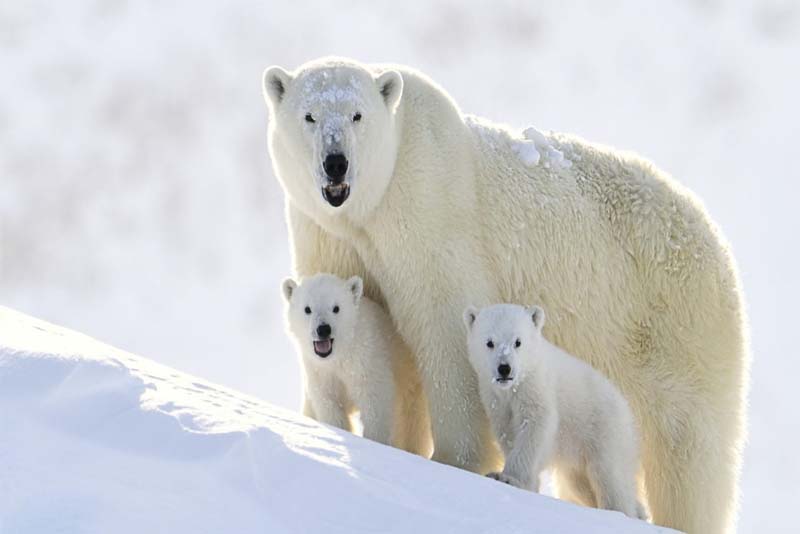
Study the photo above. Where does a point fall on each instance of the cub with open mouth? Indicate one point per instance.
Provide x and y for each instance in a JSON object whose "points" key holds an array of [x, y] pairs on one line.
{"points": [[354, 361]]}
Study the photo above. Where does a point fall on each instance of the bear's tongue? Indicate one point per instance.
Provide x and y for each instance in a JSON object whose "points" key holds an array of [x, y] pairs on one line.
{"points": [[323, 346]]}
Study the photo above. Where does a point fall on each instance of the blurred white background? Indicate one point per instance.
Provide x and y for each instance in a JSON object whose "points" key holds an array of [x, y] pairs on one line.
{"points": [[138, 205]]}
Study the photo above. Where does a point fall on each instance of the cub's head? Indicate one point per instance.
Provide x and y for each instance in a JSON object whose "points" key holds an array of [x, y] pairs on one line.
{"points": [[321, 312], [332, 134], [499, 337]]}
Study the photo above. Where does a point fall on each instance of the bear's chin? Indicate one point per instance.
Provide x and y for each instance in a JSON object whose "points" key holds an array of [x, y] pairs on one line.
{"points": [[336, 194]]}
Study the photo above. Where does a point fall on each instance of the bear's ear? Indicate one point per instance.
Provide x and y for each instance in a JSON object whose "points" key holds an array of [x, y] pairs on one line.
{"points": [[287, 288], [390, 86], [276, 81], [356, 286], [537, 316], [470, 314]]}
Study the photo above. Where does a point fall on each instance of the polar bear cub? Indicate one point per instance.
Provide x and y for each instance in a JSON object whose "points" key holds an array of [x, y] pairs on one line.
{"points": [[550, 409], [354, 360]]}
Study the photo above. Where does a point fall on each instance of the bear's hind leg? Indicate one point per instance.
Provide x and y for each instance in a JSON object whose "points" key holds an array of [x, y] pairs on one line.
{"points": [[694, 424], [691, 484]]}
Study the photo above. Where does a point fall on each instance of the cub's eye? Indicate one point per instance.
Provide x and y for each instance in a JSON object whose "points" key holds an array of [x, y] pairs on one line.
{"points": [[517, 343], [357, 117], [336, 309], [309, 118], [308, 310], [490, 344]]}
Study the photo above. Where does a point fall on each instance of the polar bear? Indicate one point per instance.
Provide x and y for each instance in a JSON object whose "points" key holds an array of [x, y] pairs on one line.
{"points": [[385, 178], [550, 409], [353, 360]]}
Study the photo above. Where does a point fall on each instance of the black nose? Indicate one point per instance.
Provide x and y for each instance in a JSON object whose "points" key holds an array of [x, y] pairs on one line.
{"points": [[335, 166], [324, 331], [504, 370]]}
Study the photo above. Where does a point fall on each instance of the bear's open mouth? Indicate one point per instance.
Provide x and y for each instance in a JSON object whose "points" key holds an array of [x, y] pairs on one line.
{"points": [[336, 194], [504, 381], [323, 347]]}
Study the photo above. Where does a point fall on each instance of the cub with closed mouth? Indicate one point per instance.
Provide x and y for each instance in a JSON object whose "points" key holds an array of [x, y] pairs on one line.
{"points": [[549, 409]]}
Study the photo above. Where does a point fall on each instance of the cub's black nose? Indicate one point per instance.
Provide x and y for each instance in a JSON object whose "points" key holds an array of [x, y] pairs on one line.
{"points": [[335, 166], [504, 370], [324, 331]]}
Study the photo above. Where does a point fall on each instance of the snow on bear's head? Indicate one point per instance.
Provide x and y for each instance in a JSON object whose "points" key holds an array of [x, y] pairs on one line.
{"points": [[321, 312], [332, 134], [500, 338]]}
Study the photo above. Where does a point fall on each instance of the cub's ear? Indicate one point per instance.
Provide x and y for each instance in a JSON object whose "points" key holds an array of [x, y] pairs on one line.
{"points": [[356, 286], [390, 86], [287, 288], [537, 316], [470, 314], [276, 80]]}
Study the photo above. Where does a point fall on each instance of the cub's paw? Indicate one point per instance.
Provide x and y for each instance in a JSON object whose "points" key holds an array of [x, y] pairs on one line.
{"points": [[506, 479]]}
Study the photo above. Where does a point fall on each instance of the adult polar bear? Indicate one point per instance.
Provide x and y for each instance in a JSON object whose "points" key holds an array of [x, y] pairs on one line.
{"points": [[387, 179]]}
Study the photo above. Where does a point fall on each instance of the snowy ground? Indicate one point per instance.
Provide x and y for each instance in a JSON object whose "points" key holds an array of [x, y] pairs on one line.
{"points": [[95, 439], [137, 203]]}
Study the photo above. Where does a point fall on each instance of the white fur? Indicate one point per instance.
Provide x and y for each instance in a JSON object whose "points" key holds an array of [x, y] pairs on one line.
{"points": [[369, 369], [552, 411], [444, 213]]}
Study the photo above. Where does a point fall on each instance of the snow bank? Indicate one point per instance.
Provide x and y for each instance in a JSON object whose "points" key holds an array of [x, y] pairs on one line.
{"points": [[93, 439]]}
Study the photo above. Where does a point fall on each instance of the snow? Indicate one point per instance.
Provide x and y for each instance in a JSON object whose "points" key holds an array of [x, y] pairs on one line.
{"points": [[99, 440], [319, 89], [528, 153], [537, 146]]}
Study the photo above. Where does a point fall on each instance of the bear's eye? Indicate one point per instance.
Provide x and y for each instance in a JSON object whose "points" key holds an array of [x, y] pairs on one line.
{"points": [[357, 117], [336, 309], [517, 343], [490, 344], [309, 118], [308, 310]]}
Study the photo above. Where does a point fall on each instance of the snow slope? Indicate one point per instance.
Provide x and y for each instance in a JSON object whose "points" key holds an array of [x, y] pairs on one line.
{"points": [[93, 439]]}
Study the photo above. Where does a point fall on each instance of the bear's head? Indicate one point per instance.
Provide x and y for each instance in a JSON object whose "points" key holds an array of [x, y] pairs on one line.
{"points": [[500, 338], [321, 312], [332, 134]]}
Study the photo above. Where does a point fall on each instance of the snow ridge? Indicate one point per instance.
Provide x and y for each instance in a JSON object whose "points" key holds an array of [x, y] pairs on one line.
{"points": [[99, 440]]}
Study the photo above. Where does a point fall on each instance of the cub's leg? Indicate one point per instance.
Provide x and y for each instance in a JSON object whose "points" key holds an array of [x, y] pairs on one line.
{"points": [[614, 486], [308, 407], [533, 444], [573, 485], [330, 403], [374, 395]]}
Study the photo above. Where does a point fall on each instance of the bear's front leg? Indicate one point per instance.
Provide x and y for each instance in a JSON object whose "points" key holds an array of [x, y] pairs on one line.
{"points": [[461, 433], [428, 315]]}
